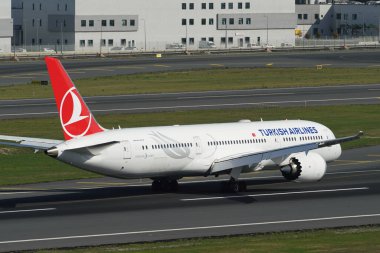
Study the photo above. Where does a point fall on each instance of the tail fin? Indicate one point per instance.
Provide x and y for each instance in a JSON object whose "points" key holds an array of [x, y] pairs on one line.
{"points": [[76, 118]]}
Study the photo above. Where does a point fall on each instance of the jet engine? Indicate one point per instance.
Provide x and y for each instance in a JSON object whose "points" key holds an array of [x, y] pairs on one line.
{"points": [[303, 167]]}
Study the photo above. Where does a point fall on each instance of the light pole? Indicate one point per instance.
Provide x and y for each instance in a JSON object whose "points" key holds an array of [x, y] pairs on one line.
{"points": [[187, 39], [226, 35], [61, 38], [145, 33], [101, 38], [267, 30], [38, 37]]}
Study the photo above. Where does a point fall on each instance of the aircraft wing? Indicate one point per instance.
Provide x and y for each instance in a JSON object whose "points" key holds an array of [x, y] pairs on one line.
{"points": [[27, 142], [250, 159]]}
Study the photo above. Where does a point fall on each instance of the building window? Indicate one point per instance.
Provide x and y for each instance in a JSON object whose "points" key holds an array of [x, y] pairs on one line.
{"points": [[247, 40], [305, 16], [58, 7], [33, 41], [354, 16], [240, 6], [191, 21], [183, 6], [191, 41], [211, 6], [184, 21], [33, 7], [132, 22], [65, 7], [224, 21], [316, 16], [241, 21], [345, 16], [204, 6], [112, 22], [40, 7], [104, 22], [91, 23], [40, 22], [123, 42], [338, 16], [103, 43], [191, 6], [110, 42], [33, 22], [299, 16], [83, 23], [183, 41], [231, 21], [223, 40], [248, 5], [230, 40], [124, 22], [203, 21], [58, 42], [66, 42], [64, 23], [90, 43], [82, 43], [211, 21], [211, 39], [248, 21], [222, 6], [230, 6]]}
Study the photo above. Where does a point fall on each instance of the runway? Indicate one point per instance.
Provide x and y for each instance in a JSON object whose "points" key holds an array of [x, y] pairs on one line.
{"points": [[105, 211], [25, 72], [309, 96]]}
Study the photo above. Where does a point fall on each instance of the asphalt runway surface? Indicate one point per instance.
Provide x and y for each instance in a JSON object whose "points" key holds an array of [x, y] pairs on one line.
{"points": [[107, 211], [259, 98], [25, 72]]}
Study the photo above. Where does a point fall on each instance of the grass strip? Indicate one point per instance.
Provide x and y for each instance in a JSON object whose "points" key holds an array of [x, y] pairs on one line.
{"points": [[345, 240], [20, 166], [201, 80]]}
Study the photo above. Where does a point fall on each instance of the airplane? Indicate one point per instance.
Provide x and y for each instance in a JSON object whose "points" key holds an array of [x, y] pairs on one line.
{"points": [[299, 149]]}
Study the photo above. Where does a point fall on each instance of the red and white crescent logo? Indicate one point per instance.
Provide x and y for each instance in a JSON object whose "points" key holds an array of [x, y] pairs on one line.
{"points": [[74, 120]]}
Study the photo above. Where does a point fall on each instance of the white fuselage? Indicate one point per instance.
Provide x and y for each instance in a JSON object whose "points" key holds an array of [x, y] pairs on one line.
{"points": [[189, 150]]}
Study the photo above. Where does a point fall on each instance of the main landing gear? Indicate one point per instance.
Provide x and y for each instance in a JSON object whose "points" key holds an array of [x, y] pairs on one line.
{"points": [[165, 185], [233, 185]]}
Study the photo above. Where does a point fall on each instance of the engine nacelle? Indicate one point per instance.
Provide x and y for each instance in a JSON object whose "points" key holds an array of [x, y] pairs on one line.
{"points": [[305, 168]]}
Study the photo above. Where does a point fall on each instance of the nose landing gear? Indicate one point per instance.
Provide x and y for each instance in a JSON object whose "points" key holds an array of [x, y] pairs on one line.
{"points": [[165, 185]]}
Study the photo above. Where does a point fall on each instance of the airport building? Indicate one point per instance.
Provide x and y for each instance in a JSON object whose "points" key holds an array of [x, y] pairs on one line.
{"points": [[324, 19], [6, 26], [96, 25]]}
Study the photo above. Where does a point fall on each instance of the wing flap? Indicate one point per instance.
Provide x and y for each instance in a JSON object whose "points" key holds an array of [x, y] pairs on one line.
{"points": [[28, 142]]}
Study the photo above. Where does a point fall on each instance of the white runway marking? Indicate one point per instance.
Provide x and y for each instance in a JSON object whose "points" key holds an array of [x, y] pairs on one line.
{"points": [[193, 228], [13, 193], [28, 210], [276, 194]]}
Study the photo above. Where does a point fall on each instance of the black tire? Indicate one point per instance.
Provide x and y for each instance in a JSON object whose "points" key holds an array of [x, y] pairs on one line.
{"points": [[156, 185]]}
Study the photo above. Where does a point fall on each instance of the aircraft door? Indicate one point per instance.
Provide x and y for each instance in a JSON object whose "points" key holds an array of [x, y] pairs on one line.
{"points": [[198, 145], [127, 149]]}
